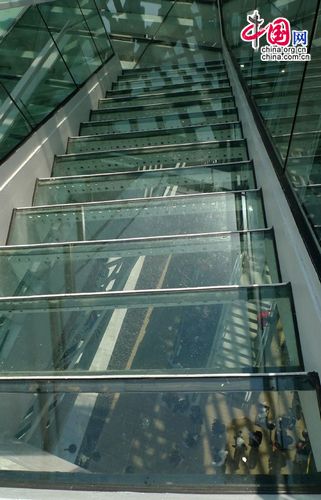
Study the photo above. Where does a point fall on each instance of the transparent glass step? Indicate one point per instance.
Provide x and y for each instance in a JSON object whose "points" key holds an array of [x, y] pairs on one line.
{"points": [[166, 121], [129, 77], [198, 213], [191, 104], [196, 91], [215, 259], [170, 77], [121, 331], [67, 422], [151, 158], [217, 60], [202, 133], [169, 182], [210, 81]]}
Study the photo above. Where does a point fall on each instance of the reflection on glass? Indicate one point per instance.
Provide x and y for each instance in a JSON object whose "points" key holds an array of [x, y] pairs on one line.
{"points": [[163, 330], [167, 182], [139, 218], [221, 132], [188, 261], [172, 119], [128, 434], [151, 157], [45, 54], [195, 102]]}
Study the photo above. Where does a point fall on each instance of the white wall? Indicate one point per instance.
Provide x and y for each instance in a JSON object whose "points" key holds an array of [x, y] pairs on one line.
{"points": [[35, 157]]}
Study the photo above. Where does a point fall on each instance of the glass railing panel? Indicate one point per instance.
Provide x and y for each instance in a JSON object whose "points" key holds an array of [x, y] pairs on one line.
{"points": [[275, 77], [33, 70], [197, 90], [302, 144], [129, 52], [121, 331], [182, 262], [304, 170], [154, 7], [169, 182], [13, 126], [105, 142], [96, 27], [151, 158], [170, 434], [79, 51], [175, 86], [285, 108], [43, 79], [132, 24], [138, 218], [165, 55], [8, 17], [159, 122], [193, 103], [304, 123], [195, 31], [304, 149]]}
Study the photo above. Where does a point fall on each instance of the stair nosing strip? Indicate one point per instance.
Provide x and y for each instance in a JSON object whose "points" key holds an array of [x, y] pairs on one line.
{"points": [[137, 200], [135, 133], [148, 148], [150, 292], [135, 172], [136, 239]]}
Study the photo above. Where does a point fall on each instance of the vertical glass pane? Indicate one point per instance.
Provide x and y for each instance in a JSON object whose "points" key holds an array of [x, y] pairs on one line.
{"points": [[13, 125], [41, 79], [96, 27], [73, 37], [303, 167]]}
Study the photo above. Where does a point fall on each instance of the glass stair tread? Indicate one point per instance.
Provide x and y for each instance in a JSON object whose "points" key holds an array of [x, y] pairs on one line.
{"points": [[169, 182], [197, 90], [216, 259], [169, 76], [198, 213], [153, 76], [159, 122], [219, 62], [199, 327], [151, 157], [210, 81], [202, 133], [196, 102]]}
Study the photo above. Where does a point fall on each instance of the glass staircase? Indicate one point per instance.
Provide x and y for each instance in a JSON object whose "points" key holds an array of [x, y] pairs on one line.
{"points": [[147, 258]]}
